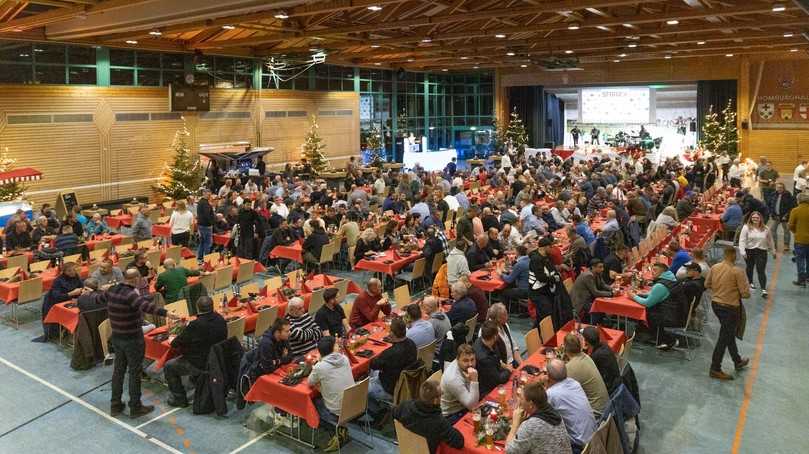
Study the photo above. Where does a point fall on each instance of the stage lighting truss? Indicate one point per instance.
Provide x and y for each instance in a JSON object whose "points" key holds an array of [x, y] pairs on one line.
{"points": [[285, 68]]}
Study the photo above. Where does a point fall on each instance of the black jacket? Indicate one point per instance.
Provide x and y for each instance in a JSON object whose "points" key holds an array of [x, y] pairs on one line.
{"points": [[607, 365], [92, 301], [391, 362], [424, 419], [221, 376], [476, 257], [196, 340], [272, 354], [314, 243], [787, 204], [205, 214], [490, 373]]}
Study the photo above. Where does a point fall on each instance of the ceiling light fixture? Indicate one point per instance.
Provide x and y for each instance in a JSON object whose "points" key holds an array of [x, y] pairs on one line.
{"points": [[24, 55], [523, 66], [476, 67], [788, 35], [410, 60], [601, 27], [377, 64], [574, 26], [793, 50], [510, 54], [464, 58], [667, 57], [500, 35], [445, 70], [155, 33], [228, 27], [672, 22], [427, 40], [374, 46], [628, 25], [375, 8], [622, 55], [568, 51], [777, 8], [699, 43], [728, 55], [632, 45], [131, 41], [616, 61]]}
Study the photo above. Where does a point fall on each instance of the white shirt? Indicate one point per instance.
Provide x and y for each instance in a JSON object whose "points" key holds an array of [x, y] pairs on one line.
{"points": [[452, 202], [458, 182], [379, 187], [736, 171], [751, 238], [281, 209], [505, 161], [181, 222], [797, 173]]}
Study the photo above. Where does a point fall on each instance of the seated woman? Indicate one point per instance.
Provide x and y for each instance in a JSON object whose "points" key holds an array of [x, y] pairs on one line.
{"points": [[68, 285], [391, 235], [95, 226], [668, 218], [367, 244], [412, 225]]}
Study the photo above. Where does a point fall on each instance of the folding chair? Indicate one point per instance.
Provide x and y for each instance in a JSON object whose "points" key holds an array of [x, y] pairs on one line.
{"points": [[471, 324], [189, 264], [266, 317], [75, 258], [438, 260], [17, 261], [347, 308], [126, 241], [546, 331], [175, 253], [211, 258], [342, 289], [236, 329], [355, 404], [419, 267], [246, 271], [104, 245], [145, 244], [38, 267], [293, 277], [247, 289], [326, 257], [410, 443], [105, 333], [223, 278], [623, 354], [9, 272], [436, 376], [273, 283], [426, 354], [153, 257], [401, 295], [684, 332], [317, 301], [208, 281], [97, 255], [30, 291], [532, 342], [178, 308]]}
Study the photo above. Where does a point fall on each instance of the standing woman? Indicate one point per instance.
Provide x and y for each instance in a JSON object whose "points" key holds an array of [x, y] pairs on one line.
{"points": [[755, 240], [180, 223]]}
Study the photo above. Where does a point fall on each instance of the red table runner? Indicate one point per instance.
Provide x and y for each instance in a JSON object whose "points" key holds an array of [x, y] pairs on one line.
{"points": [[387, 264], [620, 305], [612, 337], [292, 252]]}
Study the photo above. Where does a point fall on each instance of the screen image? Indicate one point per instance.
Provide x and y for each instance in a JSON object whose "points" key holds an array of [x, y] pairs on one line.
{"points": [[615, 105]]}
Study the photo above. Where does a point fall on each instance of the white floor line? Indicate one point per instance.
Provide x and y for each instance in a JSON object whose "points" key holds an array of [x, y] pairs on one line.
{"points": [[90, 407], [250, 443], [158, 417]]}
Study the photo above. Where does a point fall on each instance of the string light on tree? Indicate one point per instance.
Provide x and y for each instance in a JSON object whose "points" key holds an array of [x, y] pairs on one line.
{"points": [[14, 191], [719, 133], [313, 149], [374, 146], [184, 176], [515, 136]]}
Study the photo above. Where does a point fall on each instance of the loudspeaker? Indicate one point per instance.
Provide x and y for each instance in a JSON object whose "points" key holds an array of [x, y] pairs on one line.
{"points": [[745, 124]]}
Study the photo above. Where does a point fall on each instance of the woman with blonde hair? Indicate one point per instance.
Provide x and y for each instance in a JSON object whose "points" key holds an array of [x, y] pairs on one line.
{"points": [[668, 218], [755, 240], [180, 223], [367, 244]]}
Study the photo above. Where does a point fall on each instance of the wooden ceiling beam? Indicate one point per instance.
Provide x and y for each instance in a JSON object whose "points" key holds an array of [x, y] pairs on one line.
{"points": [[62, 14]]}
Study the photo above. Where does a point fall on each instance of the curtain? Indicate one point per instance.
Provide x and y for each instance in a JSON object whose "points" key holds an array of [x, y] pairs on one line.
{"points": [[554, 121], [527, 102], [714, 93]]}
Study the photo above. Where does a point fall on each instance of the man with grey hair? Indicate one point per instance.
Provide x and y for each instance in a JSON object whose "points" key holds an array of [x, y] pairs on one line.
{"points": [[368, 304], [195, 342], [92, 299], [463, 308], [506, 348], [439, 320], [107, 275], [567, 397], [303, 331], [457, 265]]}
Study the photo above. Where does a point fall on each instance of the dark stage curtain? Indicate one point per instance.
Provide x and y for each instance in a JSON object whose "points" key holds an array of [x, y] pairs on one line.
{"points": [[527, 101], [714, 93], [554, 120]]}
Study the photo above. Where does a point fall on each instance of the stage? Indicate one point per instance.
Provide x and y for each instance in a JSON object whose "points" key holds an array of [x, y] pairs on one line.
{"points": [[430, 160]]}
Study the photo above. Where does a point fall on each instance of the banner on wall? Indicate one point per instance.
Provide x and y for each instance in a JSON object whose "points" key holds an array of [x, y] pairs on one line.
{"points": [[780, 94]]}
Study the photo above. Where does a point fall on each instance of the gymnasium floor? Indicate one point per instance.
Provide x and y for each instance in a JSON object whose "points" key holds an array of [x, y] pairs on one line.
{"points": [[47, 407]]}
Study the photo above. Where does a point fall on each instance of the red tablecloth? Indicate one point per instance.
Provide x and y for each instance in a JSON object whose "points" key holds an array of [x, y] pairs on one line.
{"points": [[620, 305], [297, 400], [466, 426], [563, 152], [222, 239], [115, 239], [116, 222], [614, 338], [492, 284], [292, 252], [163, 230], [9, 291], [388, 264], [4, 259], [68, 317]]}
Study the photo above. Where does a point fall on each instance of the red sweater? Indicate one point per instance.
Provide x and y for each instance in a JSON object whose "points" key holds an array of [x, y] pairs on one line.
{"points": [[365, 310]]}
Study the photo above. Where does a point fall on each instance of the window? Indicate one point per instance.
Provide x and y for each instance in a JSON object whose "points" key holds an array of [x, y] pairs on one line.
{"points": [[81, 75], [146, 69], [81, 56]]}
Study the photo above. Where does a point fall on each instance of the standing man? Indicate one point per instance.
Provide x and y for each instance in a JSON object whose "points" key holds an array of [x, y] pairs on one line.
{"points": [[728, 285], [767, 176], [594, 136], [125, 307], [780, 204], [205, 222], [575, 133], [799, 225], [797, 175]]}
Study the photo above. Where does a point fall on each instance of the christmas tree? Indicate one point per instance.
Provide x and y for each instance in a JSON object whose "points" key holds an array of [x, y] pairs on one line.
{"points": [[11, 191], [184, 176], [498, 136], [374, 146], [402, 123], [719, 134], [313, 149], [729, 133], [515, 134]]}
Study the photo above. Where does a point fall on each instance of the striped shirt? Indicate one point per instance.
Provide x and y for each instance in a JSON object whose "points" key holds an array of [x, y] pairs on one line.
{"points": [[303, 334], [125, 307]]}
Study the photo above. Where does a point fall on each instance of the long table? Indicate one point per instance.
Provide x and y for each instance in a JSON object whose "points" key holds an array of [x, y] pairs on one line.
{"points": [[390, 262], [164, 230]]}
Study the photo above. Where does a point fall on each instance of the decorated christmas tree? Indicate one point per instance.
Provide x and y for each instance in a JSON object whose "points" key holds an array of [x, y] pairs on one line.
{"points": [[729, 132], [313, 149], [515, 134], [403, 123], [719, 134], [184, 176], [375, 146], [498, 136], [10, 191]]}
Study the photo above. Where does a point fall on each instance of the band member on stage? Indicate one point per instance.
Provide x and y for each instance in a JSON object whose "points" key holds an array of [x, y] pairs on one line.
{"points": [[594, 134], [575, 132]]}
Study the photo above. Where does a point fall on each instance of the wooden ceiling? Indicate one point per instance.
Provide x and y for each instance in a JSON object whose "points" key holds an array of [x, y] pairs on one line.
{"points": [[422, 35]]}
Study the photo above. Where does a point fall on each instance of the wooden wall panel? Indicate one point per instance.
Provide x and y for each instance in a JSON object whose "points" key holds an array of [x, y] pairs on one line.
{"points": [[139, 151], [225, 130], [783, 147]]}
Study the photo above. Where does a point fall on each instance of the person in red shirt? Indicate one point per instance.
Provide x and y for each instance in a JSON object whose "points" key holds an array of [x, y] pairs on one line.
{"points": [[368, 304]]}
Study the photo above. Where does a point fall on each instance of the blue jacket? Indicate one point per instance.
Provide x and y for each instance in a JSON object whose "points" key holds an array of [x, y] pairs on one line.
{"points": [[585, 232], [462, 310], [733, 216], [658, 293], [680, 258], [519, 273]]}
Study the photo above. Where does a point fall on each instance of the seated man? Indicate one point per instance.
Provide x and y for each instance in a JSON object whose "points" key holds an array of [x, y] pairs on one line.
{"points": [[422, 416], [331, 318], [95, 226], [419, 330], [567, 397], [492, 371], [603, 357], [437, 318], [587, 287], [194, 343], [386, 368], [657, 305], [92, 298], [303, 331], [517, 279], [508, 351], [107, 274], [313, 245], [171, 282], [460, 389], [67, 242], [463, 308], [331, 376], [478, 297], [18, 238], [536, 428], [679, 256], [142, 225], [581, 368], [273, 349], [477, 255], [369, 304]]}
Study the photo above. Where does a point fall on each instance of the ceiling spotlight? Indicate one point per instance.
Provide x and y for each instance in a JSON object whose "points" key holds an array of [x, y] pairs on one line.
{"points": [[228, 27], [568, 51], [667, 57], [318, 38], [628, 25], [500, 35], [793, 50], [523, 66], [377, 64], [622, 55], [601, 27], [410, 60], [28, 55], [155, 33], [282, 15], [464, 58], [445, 70], [510, 54], [375, 8], [616, 61], [476, 67], [632, 45], [131, 41], [672, 22], [574, 26], [728, 55], [427, 40], [787, 35], [699, 43], [374, 46], [777, 8]]}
